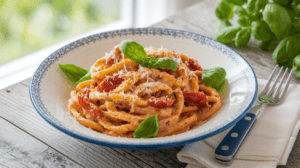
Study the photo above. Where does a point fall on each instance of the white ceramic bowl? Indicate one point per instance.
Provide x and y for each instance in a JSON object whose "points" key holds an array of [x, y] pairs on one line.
{"points": [[49, 90]]}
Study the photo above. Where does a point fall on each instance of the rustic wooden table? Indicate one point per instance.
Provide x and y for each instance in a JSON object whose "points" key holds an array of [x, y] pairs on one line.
{"points": [[27, 140]]}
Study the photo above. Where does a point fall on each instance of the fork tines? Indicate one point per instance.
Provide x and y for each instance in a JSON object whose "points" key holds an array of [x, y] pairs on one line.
{"points": [[267, 90]]}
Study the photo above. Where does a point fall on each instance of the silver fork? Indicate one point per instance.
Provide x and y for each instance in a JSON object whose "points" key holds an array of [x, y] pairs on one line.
{"points": [[227, 149]]}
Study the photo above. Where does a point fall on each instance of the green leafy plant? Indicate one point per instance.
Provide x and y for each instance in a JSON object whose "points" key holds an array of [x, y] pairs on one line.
{"points": [[278, 19], [214, 77], [236, 2], [223, 10], [136, 53], [147, 128], [254, 6], [283, 2], [227, 34], [273, 23], [265, 99], [286, 51], [75, 73], [261, 31], [296, 66], [242, 37]]}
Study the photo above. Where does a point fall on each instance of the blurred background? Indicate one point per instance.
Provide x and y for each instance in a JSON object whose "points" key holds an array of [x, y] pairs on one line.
{"points": [[30, 25], [30, 30]]}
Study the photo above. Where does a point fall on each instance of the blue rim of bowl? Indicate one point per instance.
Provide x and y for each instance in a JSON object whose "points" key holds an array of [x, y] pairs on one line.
{"points": [[143, 146]]}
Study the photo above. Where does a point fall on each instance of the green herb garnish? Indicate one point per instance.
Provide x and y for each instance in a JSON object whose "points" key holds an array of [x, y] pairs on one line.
{"points": [[147, 128], [214, 77], [75, 73], [86, 77], [136, 53], [265, 99]]}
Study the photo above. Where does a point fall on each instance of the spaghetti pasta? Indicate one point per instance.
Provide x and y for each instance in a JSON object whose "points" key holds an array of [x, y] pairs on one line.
{"points": [[123, 93]]}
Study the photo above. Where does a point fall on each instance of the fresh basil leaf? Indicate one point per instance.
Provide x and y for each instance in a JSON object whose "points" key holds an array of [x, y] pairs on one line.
{"points": [[261, 31], [278, 19], [256, 16], [214, 77], [292, 13], [295, 29], [244, 22], [221, 25], [286, 51], [240, 11], [242, 37], [223, 10], [149, 61], [296, 66], [147, 128], [86, 77], [266, 45], [136, 53], [283, 2], [164, 63], [73, 72], [265, 99], [297, 10], [227, 34], [133, 51], [236, 2], [254, 6]]}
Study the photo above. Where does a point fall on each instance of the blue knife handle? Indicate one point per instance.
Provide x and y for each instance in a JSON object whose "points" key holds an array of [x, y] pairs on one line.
{"points": [[233, 140]]}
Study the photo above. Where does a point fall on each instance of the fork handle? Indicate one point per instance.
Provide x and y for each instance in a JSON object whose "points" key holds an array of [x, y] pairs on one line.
{"points": [[227, 149]]}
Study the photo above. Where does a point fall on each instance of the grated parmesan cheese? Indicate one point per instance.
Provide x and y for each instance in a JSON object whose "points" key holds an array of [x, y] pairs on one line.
{"points": [[141, 67], [144, 74], [178, 60]]}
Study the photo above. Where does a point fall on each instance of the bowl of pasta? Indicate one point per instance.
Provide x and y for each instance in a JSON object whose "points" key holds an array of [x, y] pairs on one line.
{"points": [[143, 88]]}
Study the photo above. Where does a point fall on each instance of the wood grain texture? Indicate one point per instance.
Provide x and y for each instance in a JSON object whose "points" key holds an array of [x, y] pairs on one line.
{"points": [[16, 107], [19, 149]]}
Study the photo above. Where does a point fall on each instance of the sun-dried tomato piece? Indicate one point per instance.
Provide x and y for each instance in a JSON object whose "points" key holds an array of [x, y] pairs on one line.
{"points": [[162, 102], [195, 98], [110, 61], [84, 101], [194, 65], [166, 70], [109, 84]]}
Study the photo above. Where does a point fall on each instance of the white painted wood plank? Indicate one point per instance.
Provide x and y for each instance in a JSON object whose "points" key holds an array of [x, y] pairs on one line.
{"points": [[18, 149]]}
